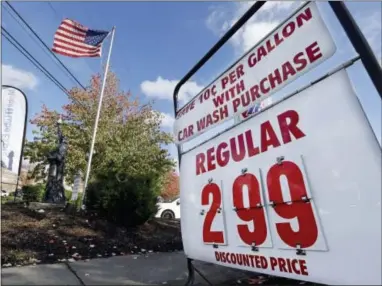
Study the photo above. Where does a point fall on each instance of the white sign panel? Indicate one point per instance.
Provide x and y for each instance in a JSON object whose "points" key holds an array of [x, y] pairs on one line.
{"points": [[294, 191], [294, 48], [13, 112]]}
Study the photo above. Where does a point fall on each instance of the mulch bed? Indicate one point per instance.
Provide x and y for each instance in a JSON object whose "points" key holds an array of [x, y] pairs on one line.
{"points": [[29, 237]]}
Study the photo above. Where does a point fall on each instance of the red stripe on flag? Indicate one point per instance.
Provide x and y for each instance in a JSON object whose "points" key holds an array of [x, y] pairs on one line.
{"points": [[75, 56], [74, 25], [56, 45], [71, 32], [75, 45]]}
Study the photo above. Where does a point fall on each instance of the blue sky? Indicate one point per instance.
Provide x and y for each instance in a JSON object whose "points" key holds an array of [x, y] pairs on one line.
{"points": [[156, 43]]}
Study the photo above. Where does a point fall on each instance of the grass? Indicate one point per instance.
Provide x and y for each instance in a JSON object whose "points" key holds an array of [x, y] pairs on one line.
{"points": [[9, 198]]}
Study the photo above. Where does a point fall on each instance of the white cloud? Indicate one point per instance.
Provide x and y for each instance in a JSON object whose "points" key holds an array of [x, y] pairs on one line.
{"points": [[267, 18], [18, 77], [163, 89], [167, 120], [252, 34]]}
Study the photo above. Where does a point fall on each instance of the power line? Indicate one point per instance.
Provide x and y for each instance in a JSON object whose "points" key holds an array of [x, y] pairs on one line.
{"points": [[32, 59], [54, 10], [14, 43], [31, 36], [38, 37], [36, 63]]}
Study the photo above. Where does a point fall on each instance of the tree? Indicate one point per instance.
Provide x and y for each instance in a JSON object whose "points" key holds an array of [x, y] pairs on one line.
{"points": [[171, 186], [129, 138], [25, 178]]}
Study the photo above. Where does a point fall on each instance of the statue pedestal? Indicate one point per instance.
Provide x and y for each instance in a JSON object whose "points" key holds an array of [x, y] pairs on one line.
{"points": [[71, 209], [45, 206]]}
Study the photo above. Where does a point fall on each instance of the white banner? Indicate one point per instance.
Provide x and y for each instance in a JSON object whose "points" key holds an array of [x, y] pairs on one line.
{"points": [[13, 114], [294, 191], [292, 49]]}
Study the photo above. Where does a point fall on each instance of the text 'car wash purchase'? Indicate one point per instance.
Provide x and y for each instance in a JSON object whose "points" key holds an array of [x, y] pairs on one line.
{"points": [[266, 68]]}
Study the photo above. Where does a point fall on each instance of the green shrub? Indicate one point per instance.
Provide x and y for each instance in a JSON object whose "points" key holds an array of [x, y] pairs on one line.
{"points": [[68, 195], [128, 203], [7, 199], [33, 193], [77, 202]]}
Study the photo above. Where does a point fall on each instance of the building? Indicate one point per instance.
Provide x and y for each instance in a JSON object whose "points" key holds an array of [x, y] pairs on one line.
{"points": [[8, 180]]}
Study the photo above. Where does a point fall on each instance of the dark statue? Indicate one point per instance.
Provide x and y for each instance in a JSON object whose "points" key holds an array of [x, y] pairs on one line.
{"points": [[55, 192]]}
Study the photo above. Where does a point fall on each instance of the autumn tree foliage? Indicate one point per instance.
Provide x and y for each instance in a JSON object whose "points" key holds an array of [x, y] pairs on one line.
{"points": [[129, 141], [171, 186], [129, 137]]}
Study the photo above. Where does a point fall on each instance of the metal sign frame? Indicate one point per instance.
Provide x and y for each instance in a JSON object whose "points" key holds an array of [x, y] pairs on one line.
{"points": [[354, 34]]}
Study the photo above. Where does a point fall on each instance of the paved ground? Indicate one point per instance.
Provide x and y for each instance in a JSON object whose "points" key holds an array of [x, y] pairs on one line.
{"points": [[154, 269]]}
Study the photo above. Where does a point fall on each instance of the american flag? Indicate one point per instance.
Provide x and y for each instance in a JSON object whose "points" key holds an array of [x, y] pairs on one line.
{"points": [[75, 40]]}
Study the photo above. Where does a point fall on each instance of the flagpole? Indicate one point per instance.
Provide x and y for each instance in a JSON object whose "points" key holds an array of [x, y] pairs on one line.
{"points": [[97, 118]]}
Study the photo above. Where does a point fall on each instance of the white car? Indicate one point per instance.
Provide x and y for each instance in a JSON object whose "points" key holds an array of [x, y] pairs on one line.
{"points": [[169, 209], [4, 193]]}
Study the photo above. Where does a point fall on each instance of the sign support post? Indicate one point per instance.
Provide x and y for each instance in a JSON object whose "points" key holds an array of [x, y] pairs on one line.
{"points": [[359, 43]]}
